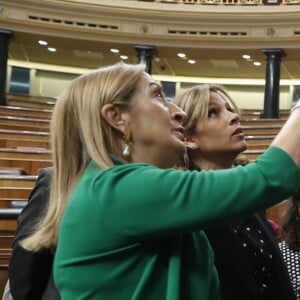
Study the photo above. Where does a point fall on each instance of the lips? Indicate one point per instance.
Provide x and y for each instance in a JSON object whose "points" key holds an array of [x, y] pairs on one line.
{"points": [[181, 131], [239, 130]]}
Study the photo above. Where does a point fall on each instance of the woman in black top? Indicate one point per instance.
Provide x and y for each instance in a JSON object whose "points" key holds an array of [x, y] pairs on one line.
{"points": [[247, 256], [290, 247]]}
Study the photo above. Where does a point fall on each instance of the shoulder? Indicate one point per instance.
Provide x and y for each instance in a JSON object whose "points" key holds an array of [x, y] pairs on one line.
{"points": [[120, 171], [45, 173], [287, 253], [283, 246]]}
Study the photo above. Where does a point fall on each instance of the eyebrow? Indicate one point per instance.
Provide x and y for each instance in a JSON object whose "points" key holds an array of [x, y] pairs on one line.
{"points": [[154, 83], [219, 104], [215, 103]]}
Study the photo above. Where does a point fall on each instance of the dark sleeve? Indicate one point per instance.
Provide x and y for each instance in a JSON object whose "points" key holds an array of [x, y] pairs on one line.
{"points": [[28, 271]]}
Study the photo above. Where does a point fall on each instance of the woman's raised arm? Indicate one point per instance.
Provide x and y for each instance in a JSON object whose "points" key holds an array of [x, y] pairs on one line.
{"points": [[288, 139]]}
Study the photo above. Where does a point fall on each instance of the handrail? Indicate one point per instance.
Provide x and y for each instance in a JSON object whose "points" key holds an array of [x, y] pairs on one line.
{"points": [[9, 213], [227, 2]]}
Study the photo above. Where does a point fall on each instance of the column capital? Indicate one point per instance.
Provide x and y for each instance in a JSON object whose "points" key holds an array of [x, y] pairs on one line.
{"points": [[5, 32], [144, 54], [144, 48], [274, 52]]}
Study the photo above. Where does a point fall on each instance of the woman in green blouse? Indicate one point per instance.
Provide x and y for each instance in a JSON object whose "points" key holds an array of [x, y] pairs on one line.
{"points": [[123, 223]]}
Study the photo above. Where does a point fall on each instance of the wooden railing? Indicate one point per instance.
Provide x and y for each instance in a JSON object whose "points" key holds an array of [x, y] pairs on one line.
{"points": [[227, 2]]}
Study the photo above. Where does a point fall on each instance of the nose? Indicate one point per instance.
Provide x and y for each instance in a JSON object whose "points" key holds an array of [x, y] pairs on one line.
{"points": [[176, 113], [234, 118]]}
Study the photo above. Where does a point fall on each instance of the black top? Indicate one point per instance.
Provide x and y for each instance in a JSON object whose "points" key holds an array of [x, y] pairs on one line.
{"points": [[249, 261], [30, 274], [292, 259]]}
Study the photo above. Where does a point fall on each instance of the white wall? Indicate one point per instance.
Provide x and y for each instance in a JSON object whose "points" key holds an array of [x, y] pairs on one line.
{"points": [[250, 96], [51, 83]]}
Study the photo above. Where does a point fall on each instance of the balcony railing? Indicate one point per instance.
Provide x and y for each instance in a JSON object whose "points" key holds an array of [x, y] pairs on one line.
{"points": [[228, 2]]}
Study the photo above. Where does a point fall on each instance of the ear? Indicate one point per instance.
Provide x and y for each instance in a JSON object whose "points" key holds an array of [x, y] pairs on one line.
{"points": [[117, 118]]}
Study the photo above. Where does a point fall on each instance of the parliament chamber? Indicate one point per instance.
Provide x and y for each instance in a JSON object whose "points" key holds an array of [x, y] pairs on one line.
{"points": [[249, 46]]}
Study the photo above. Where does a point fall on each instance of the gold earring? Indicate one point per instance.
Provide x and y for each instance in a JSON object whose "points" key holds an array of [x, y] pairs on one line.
{"points": [[127, 144], [186, 159]]}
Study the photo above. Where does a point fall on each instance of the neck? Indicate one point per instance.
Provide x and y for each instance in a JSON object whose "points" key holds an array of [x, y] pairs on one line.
{"points": [[216, 162], [209, 165], [153, 156]]}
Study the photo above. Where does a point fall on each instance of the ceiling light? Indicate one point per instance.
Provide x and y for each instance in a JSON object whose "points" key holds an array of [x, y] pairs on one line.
{"points": [[246, 56], [191, 61], [181, 55], [43, 43], [114, 50], [124, 57], [257, 63], [51, 49]]}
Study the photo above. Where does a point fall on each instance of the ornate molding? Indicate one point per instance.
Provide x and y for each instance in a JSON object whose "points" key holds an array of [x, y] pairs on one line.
{"points": [[212, 26]]}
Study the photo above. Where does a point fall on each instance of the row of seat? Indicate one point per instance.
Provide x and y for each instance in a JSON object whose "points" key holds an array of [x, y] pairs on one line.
{"points": [[25, 138], [29, 148], [24, 149]]}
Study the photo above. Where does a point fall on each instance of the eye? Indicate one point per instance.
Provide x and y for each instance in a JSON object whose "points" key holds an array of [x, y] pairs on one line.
{"points": [[159, 95], [213, 112]]}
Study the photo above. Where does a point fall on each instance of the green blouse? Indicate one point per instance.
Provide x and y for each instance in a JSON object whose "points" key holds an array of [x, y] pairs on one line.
{"points": [[134, 231]]}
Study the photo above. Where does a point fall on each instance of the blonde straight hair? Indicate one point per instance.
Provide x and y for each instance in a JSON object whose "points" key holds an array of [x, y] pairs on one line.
{"points": [[78, 135], [195, 102]]}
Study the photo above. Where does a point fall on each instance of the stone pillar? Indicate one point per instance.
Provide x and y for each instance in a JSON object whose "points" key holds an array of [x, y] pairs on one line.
{"points": [[271, 101], [5, 36], [145, 54]]}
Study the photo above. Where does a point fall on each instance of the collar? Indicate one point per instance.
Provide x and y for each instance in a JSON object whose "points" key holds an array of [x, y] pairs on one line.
{"points": [[115, 159]]}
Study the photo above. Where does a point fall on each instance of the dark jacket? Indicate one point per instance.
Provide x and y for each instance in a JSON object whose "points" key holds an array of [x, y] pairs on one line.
{"points": [[233, 263], [30, 274]]}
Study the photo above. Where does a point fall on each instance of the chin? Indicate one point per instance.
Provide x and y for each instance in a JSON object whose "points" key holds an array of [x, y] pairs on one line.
{"points": [[242, 147], [245, 147]]}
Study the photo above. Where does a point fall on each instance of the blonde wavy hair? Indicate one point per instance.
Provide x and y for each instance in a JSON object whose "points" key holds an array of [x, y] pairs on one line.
{"points": [[195, 101], [78, 135]]}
